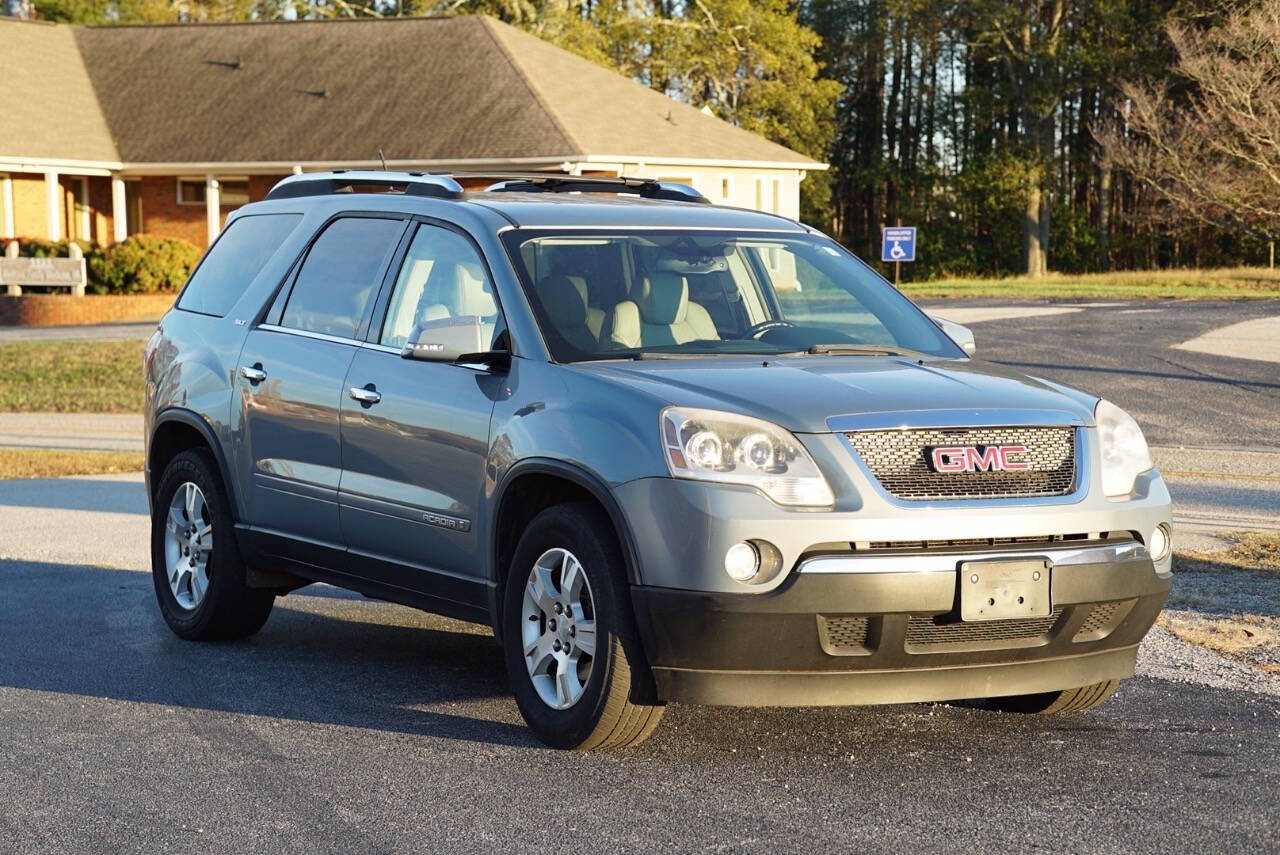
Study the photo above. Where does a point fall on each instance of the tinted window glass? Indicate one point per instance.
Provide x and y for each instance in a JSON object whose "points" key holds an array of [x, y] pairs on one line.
{"points": [[339, 276], [442, 277], [237, 257]]}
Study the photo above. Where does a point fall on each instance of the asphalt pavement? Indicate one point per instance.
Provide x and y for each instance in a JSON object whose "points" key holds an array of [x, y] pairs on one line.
{"points": [[355, 725]]}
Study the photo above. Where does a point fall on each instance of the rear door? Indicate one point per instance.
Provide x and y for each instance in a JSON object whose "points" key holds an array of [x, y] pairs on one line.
{"points": [[415, 435], [290, 383]]}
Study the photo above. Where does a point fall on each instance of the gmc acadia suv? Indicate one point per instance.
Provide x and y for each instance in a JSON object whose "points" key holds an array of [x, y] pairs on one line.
{"points": [[668, 451]]}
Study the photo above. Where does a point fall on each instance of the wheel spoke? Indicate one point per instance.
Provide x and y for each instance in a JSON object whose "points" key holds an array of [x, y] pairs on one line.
{"points": [[541, 589], [541, 659], [175, 522], [571, 580], [199, 583], [585, 639], [190, 500], [567, 685]]}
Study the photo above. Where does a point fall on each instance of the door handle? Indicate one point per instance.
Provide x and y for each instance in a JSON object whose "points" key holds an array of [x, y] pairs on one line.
{"points": [[365, 396], [254, 374]]}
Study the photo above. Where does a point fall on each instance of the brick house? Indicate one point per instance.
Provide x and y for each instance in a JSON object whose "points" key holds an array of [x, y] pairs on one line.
{"points": [[108, 131]]}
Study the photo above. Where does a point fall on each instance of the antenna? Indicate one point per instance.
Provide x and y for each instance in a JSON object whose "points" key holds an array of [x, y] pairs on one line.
{"points": [[383, 158]]}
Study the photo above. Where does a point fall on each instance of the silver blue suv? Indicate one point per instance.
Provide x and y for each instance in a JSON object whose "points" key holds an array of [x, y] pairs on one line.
{"points": [[668, 451]]}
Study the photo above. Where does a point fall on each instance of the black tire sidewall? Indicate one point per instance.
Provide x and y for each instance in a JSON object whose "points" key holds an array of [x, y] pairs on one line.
{"points": [[225, 571], [568, 527]]}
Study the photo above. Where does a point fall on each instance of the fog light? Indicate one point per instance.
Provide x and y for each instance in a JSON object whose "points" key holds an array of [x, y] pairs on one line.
{"points": [[742, 561], [1160, 541]]}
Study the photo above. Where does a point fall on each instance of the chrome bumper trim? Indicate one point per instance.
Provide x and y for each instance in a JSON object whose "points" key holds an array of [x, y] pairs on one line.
{"points": [[946, 562]]}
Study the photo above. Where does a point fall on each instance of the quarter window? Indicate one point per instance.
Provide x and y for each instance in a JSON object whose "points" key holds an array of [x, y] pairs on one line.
{"points": [[240, 252], [339, 276]]}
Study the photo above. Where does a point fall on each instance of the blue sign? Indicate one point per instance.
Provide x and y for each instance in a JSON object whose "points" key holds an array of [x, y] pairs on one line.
{"points": [[899, 244]]}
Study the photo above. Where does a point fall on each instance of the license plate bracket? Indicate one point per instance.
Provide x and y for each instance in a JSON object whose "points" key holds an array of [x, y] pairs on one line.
{"points": [[1000, 590]]}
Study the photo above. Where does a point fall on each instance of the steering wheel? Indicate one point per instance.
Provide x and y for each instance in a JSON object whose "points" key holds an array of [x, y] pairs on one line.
{"points": [[763, 327]]}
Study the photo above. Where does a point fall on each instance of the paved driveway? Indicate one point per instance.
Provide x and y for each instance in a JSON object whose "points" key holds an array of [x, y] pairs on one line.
{"points": [[353, 725]]}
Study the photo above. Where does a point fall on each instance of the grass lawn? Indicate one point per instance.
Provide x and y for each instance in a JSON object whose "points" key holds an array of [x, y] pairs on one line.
{"points": [[1237, 283], [1230, 601], [72, 376], [41, 463]]}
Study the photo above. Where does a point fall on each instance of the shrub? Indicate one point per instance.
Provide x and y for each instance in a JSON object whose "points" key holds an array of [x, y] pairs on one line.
{"points": [[143, 264]]}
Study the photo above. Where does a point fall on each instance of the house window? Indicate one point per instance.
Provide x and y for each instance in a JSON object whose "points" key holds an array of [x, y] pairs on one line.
{"points": [[777, 195], [759, 194], [726, 187], [232, 192]]}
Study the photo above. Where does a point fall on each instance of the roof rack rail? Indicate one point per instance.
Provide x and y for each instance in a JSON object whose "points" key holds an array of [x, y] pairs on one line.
{"points": [[646, 188], [438, 185]]}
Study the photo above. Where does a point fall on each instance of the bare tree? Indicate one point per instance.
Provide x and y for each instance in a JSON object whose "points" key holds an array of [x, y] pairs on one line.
{"points": [[1211, 152]]}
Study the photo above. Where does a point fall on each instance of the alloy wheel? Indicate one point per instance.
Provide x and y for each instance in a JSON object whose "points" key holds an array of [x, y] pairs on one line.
{"points": [[558, 628], [188, 545]]}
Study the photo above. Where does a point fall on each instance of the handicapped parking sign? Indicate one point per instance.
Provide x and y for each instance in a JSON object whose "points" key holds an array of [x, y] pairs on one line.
{"points": [[899, 244]]}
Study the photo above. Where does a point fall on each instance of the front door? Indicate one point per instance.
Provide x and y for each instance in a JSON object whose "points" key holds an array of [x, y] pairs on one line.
{"points": [[415, 435], [289, 384]]}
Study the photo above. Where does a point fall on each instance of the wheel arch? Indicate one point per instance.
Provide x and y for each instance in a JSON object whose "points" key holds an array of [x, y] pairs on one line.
{"points": [[533, 485], [176, 430]]}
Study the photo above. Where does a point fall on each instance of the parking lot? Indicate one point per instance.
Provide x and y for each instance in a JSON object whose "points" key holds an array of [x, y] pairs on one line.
{"points": [[349, 724]]}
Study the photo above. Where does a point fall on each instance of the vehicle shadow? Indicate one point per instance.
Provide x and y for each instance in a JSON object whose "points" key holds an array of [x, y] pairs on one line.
{"points": [[326, 659]]}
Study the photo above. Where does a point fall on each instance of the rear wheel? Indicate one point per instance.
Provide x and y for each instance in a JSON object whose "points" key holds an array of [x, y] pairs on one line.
{"points": [[576, 668], [195, 562], [1052, 703]]}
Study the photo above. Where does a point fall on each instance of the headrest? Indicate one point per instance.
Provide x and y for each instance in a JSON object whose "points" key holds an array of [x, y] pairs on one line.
{"points": [[565, 302], [663, 298]]}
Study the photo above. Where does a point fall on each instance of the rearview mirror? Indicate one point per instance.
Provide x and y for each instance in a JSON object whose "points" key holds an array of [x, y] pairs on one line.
{"points": [[444, 339], [958, 333]]}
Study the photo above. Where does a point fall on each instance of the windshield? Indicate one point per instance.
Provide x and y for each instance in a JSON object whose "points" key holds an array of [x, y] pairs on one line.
{"points": [[629, 295]]}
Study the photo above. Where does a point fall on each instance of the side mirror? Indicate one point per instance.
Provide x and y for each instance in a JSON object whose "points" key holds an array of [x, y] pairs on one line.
{"points": [[958, 333], [458, 340]]}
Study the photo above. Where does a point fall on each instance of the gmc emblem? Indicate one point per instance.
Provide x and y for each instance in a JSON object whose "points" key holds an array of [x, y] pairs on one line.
{"points": [[978, 458]]}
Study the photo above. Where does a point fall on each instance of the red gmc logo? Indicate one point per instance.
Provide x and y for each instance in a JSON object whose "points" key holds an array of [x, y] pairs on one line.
{"points": [[979, 458]]}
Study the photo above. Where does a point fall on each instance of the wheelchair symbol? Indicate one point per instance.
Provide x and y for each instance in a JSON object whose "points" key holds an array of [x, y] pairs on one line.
{"points": [[896, 252]]}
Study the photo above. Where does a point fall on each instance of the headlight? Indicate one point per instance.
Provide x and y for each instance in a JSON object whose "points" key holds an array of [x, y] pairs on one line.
{"points": [[707, 445], [1124, 450]]}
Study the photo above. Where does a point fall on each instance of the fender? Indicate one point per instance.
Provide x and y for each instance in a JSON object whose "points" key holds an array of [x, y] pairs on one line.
{"points": [[578, 475], [195, 420]]}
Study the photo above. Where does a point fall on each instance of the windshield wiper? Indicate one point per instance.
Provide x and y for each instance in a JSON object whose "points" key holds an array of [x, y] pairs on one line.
{"points": [[861, 350]]}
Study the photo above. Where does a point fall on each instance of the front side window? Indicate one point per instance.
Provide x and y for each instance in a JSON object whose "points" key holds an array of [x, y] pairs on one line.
{"points": [[609, 296], [442, 277], [340, 275], [240, 252]]}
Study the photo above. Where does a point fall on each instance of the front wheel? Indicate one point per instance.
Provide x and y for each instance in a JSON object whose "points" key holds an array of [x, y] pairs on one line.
{"points": [[1052, 703], [576, 668]]}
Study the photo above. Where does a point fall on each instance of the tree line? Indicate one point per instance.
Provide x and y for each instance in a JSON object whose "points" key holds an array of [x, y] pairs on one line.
{"points": [[1021, 136]]}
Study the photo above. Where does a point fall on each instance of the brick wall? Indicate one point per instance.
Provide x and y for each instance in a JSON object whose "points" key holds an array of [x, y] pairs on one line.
{"points": [[28, 205], [162, 215], [100, 203], [49, 310]]}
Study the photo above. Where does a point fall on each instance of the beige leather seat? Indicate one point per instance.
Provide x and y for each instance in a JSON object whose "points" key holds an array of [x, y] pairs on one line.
{"points": [[659, 313], [595, 317], [564, 299]]}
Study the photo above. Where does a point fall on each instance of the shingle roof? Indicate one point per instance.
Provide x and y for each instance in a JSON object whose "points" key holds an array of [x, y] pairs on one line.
{"points": [[443, 89], [48, 108]]}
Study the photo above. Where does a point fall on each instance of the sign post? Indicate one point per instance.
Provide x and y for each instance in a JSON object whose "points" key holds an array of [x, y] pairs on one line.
{"points": [[898, 244]]}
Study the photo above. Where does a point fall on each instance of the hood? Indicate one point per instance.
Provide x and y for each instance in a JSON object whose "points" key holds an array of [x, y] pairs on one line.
{"points": [[818, 394]]}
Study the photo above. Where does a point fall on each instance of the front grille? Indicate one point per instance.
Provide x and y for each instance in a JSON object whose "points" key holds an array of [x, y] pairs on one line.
{"points": [[1103, 619], [900, 461], [923, 631], [841, 635]]}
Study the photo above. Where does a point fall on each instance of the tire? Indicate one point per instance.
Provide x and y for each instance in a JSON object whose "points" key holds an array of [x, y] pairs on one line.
{"points": [[614, 707], [226, 608], [1055, 703]]}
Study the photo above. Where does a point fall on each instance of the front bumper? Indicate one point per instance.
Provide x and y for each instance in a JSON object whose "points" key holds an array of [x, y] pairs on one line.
{"points": [[885, 629]]}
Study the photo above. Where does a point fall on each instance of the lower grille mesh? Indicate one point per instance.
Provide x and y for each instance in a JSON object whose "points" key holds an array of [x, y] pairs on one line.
{"points": [[923, 631], [900, 461]]}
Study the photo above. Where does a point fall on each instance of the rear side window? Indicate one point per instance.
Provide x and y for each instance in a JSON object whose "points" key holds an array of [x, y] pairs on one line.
{"points": [[234, 260], [340, 275]]}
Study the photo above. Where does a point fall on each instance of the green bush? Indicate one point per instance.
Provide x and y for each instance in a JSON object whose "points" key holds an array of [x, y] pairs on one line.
{"points": [[143, 264]]}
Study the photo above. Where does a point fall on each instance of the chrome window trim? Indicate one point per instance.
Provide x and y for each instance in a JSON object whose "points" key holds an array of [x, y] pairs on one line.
{"points": [[935, 419], [949, 562], [336, 339], [1084, 466]]}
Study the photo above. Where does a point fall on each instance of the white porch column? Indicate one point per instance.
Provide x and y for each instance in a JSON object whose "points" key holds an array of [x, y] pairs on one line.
{"points": [[52, 208], [7, 227], [119, 209], [212, 207]]}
